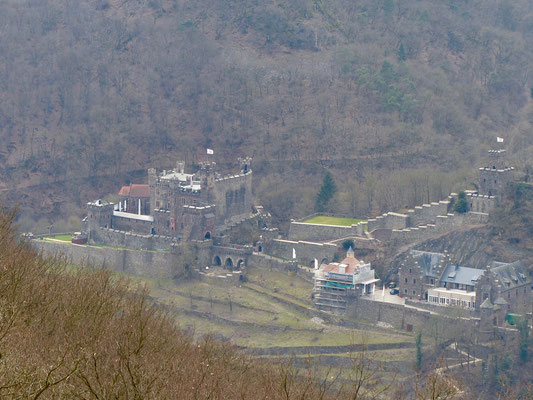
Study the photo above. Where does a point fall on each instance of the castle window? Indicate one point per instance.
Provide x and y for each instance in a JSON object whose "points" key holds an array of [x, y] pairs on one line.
{"points": [[410, 270], [508, 295], [414, 280], [406, 280], [405, 291], [414, 291], [432, 281]]}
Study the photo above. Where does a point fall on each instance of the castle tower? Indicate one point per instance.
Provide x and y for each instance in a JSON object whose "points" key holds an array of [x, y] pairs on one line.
{"points": [[99, 215], [495, 175]]}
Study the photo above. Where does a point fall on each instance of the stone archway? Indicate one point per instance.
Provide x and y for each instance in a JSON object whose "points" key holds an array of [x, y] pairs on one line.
{"points": [[228, 263], [217, 261], [240, 264], [207, 235]]}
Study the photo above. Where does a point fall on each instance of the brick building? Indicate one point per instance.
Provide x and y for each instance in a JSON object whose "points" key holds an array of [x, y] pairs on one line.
{"points": [[432, 277]]}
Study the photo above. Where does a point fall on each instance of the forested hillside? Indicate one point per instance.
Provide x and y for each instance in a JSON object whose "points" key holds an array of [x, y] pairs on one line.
{"points": [[398, 98]]}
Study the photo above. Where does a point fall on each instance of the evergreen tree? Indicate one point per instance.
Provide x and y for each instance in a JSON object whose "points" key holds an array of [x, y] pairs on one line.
{"points": [[523, 341], [461, 205], [327, 191], [401, 53], [419, 351]]}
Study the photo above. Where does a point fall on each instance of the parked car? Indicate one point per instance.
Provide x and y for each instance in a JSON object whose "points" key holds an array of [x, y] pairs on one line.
{"points": [[394, 291], [392, 285]]}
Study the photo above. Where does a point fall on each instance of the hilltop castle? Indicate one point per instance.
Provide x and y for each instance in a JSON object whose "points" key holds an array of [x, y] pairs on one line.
{"points": [[177, 205]]}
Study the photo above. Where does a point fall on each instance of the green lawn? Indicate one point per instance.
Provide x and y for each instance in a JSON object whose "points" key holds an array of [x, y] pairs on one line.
{"points": [[63, 238], [339, 221]]}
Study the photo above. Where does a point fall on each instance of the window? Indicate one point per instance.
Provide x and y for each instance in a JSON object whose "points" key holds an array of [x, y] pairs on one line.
{"points": [[414, 280], [410, 270], [405, 291], [406, 280], [414, 291], [432, 281]]}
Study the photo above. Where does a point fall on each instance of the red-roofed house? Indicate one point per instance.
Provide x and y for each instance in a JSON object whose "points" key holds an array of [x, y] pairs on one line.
{"points": [[336, 283]]}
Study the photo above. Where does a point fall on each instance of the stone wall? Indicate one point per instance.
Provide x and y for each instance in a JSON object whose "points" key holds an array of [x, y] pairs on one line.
{"points": [[443, 224], [388, 220], [115, 237], [239, 185], [481, 203], [131, 224], [306, 252], [318, 232], [153, 264], [396, 315], [427, 213]]}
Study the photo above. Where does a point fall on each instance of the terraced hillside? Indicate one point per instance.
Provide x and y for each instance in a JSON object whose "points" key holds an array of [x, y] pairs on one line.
{"points": [[272, 315]]}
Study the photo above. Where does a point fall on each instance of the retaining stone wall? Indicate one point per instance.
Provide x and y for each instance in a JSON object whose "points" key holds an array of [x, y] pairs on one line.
{"points": [[396, 315], [316, 232], [153, 264]]}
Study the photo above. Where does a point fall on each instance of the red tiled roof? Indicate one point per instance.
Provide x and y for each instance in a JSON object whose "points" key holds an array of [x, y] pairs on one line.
{"points": [[351, 265], [135, 191]]}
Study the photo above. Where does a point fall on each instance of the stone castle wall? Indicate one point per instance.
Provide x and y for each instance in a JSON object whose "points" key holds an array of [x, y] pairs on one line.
{"points": [[388, 220], [131, 224], [306, 252], [316, 232], [115, 237], [153, 264], [443, 224]]}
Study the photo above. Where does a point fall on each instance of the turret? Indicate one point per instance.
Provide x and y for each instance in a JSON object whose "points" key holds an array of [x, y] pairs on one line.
{"points": [[495, 175], [99, 215]]}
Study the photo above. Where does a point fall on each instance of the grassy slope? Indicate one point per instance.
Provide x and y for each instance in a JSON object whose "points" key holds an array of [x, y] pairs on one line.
{"points": [[268, 311]]}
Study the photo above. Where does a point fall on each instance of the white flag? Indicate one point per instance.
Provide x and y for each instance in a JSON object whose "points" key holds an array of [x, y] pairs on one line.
{"points": [[293, 253], [316, 263], [499, 139], [210, 151]]}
